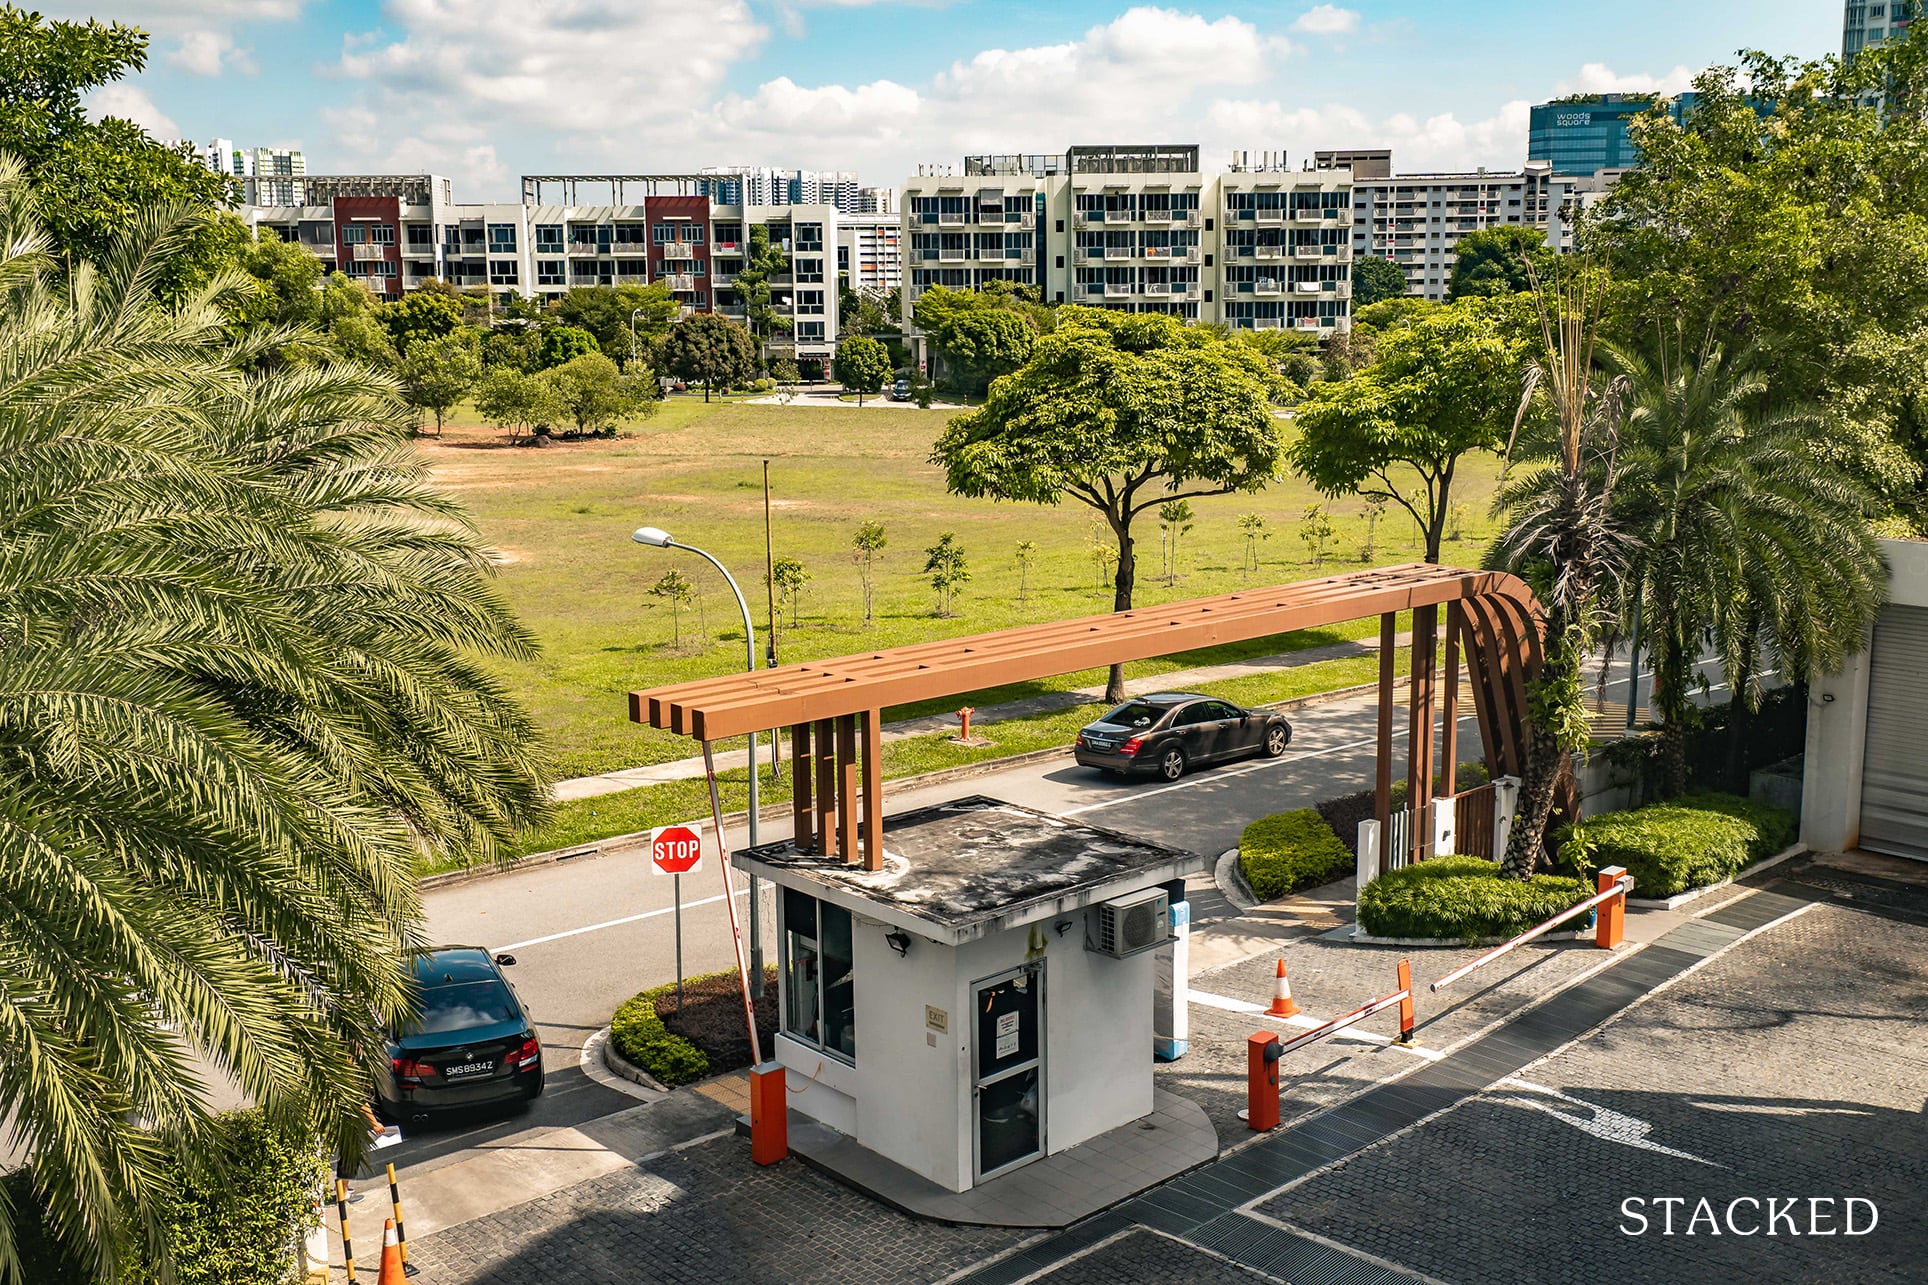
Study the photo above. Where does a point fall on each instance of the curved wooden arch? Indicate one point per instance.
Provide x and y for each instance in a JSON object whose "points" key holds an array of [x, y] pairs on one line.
{"points": [[1495, 619]]}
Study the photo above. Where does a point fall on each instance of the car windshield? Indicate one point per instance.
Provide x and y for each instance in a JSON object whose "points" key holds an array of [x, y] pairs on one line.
{"points": [[460, 1007], [1134, 714]]}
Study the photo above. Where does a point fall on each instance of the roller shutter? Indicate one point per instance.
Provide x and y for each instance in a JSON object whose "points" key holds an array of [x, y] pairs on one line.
{"points": [[1894, 777]]}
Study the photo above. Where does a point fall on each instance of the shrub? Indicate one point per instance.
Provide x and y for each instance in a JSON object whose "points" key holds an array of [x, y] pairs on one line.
{"points": [[642, 1039], [1345, 813], [1683, 843], [706, 1037], [1462, 898], [1288, 851]]}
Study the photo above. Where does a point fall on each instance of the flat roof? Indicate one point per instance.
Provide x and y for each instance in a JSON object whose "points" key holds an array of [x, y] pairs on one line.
{"points": [[957, 871]]}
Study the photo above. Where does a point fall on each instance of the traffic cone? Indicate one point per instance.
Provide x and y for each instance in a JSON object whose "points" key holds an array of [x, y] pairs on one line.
{"points": [[392, 1273], [1282, 1005]]}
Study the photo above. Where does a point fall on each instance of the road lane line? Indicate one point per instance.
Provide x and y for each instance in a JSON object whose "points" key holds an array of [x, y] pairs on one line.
{"points": [[617, 923], [1217, 776]]}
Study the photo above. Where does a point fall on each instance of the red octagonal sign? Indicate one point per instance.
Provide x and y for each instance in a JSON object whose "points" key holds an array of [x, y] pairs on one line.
{"points": [[675, 850]]}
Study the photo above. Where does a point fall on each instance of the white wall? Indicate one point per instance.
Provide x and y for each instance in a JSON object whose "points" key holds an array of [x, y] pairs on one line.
{"points": [[1837, 729], [908, 1105]]}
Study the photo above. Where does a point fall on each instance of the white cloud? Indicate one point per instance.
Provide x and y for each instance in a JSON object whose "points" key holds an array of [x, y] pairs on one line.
{"points": [[175, 17], [1327, 20], [1598, 78], [1438, 142], [207, 53], [130, 102]]}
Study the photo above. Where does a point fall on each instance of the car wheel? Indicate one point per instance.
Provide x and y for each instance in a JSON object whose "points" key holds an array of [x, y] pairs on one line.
{"points": [[1277, 737], [1171, 764]]}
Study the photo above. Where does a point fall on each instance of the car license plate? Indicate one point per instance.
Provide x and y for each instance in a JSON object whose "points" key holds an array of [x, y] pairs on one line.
{"points": [[1098, 742], [467, 1070]]}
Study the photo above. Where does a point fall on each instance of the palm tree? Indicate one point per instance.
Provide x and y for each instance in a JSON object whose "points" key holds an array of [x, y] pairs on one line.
{"points": [[244, 690], [1748, 538], [1560, 536]]}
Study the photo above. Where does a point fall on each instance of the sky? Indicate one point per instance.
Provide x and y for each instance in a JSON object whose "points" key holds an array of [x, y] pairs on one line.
{"points": [[484, 91]]}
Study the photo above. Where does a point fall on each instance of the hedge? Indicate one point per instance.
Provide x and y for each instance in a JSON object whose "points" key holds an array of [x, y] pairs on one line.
{"points": [[1689, 842], [1288, 851], [238, 1221], [642, 1039], [1462, 898], [1345, 812]]}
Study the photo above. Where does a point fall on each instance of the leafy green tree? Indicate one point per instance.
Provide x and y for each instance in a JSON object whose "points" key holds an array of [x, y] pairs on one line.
{"points": [[606, 312], [947, 569], [98, 177], [711, 349], [1374, 278], [595, 394], [976, 335], [1315, 532], [789, 576], [1442, 386], [559, 345], [290, 283], [866, 545], [343, 296], [361, 337], [866, 312], [862, 365], [438, 373], [675, 589], [420, 315], [250, 685], [1498, 261], [525, 404], [1121, 413], [513, 348], [762, 260]]}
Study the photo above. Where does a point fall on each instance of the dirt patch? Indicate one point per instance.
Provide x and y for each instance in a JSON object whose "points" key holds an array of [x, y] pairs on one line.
{"points": [[712, 1018]]}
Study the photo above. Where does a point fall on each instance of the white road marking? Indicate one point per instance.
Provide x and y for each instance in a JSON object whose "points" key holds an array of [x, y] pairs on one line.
{"points": [[1216, 776], [1302, 1022], [1600, 1122], [617, 923]]}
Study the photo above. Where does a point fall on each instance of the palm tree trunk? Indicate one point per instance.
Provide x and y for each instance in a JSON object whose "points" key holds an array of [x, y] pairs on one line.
{"points": [[1543, 767], [1670, 700]]}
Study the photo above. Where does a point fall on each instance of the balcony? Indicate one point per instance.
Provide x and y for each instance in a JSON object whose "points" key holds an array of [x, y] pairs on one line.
{"points": [[1089, 254], [1308, 252], [576, 247], [1308, 287], [727, 247], [953, 216], [1087, 218], [994, 254], [678, 281], [1268, 251], [951, 254], [1273, 215], [1266, 287], [629, 249]]}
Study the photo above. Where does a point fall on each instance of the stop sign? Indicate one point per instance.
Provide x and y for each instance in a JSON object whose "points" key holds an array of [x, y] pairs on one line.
{"points": [[675, 850]]}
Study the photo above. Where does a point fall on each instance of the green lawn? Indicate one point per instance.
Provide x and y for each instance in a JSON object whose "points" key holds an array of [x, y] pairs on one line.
{"points": [[561, 517]]}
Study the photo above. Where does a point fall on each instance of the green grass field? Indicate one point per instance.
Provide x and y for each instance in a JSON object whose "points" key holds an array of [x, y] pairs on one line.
{"points": [[561, 517]]}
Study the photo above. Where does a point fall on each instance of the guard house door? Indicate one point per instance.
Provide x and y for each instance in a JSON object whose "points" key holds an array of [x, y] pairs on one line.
{"points": [[1008, 1057]]}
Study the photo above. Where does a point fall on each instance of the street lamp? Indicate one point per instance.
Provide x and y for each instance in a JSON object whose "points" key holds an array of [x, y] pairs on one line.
{"points": [[657, 538], [632, 356]]}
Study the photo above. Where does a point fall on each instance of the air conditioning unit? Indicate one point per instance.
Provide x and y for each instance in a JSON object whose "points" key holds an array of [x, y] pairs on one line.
{"points": [[1129, 925]]}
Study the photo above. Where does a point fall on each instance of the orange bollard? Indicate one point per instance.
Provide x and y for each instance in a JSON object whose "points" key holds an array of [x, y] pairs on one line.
{"points": [[769, 1114], [1262, 1081], [1610, 923], [964, 717], [392, 1273], [1282, 1005], [1406, 1004]]}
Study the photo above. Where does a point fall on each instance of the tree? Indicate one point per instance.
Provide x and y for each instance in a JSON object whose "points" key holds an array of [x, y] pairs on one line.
{"points": [[862, 365], [1027, 553], [1375, 278], [420, 315], [97, 177], [513, 348], [1122, 413], [437, 373], [1442, 386], [560, 345], [675, 589], [595, 394], [1498, 261], [712, 350], [606, 312], [524, 404], [360, 337], [789, 577], [865, 546], [762, 260], [1174, 522], [289, 280], [250, 685], [1253, 527], [978, 336], [866, 312], [947, 570], [1315, 532]]}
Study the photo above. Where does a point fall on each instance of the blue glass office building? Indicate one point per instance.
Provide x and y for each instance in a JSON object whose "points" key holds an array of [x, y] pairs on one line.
{"points": [[1582, 136]]}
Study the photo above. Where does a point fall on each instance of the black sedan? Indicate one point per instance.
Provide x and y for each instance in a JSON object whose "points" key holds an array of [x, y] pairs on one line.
{"points": [[1169, 732], [471, 1043]]}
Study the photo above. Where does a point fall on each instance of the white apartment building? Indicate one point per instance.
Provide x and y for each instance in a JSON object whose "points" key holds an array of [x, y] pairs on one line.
{"points": [[268, 175], [1140, 229], [870, 251], [1416, 220], [763, 185]]}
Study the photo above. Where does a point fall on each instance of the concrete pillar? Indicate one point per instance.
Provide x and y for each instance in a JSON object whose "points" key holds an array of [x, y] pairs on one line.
{"points": [[1366, 864], [1837, 744], [1444, 819], [1506, 805], [1171, 976]]}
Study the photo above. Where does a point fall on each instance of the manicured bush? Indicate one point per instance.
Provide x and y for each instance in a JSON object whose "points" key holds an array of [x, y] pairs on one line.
{"points": [[1288, 851], [706, 1037], [1345, 812], [641, 1038], [1463, 899], [1689, 842]]}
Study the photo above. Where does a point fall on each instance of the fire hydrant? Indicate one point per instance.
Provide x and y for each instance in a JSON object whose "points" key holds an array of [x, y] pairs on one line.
{"points": [[964, 716]]}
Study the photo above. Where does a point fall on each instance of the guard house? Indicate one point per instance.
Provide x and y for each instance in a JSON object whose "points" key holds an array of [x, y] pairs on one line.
{"points": [[983, 1000]]}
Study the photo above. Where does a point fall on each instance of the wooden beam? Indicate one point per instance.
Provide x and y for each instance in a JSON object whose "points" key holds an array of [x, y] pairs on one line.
{"points": [[826, 813], [1449, 737], [803, 810], [1382, 781], [873, 789], [1419, 731], [847, 801]]}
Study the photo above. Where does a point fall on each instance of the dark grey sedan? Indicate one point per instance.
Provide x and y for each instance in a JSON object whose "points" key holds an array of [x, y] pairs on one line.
{"points": [[1168, 733], [470, 1044]]}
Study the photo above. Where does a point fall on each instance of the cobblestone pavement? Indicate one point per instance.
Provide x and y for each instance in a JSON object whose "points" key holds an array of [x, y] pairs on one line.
{"points": [[1792, 1067], [1149, 1258]]}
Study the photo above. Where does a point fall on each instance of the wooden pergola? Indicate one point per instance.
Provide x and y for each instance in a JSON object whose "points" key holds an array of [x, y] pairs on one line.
{"points": [[834, 708]]}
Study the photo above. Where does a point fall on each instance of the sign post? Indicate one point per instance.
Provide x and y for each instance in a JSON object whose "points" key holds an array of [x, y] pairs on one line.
{"points": [[677, 850]]}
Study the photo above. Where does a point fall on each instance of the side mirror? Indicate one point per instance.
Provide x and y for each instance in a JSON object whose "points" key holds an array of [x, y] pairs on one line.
{"points": [[505, 959]]}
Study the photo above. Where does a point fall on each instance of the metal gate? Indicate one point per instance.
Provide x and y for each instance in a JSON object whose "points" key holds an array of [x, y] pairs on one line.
{"points": [[1894, 771], [1473, 821]]}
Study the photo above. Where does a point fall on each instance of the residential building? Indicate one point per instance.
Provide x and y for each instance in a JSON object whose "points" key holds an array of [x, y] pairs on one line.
{"points": [[1416, 220], [762, 185], [1364, 162], [266, 175], [1866, 25], [870, 255], [1139, 229]]}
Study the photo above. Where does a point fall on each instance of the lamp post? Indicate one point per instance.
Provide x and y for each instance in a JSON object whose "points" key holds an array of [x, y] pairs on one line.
{"points": [[632, 356], [657, 538]]}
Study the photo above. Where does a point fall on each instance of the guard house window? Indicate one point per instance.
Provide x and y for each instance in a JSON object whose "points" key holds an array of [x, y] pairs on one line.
{"points": [[819, 994]]}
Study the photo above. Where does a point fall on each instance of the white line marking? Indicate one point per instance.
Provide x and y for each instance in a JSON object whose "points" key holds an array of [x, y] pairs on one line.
{"points": [[617, 923], [1303, 1022], [1217, 776], [1225, 1002]]}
